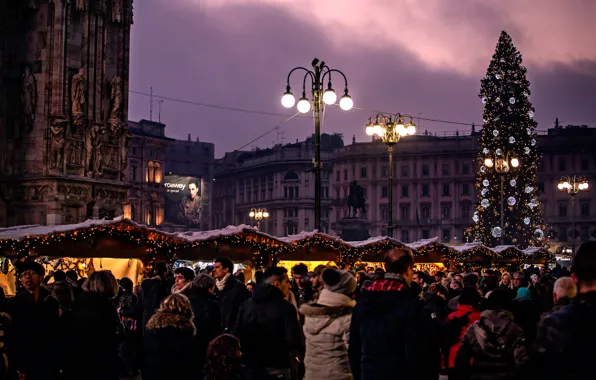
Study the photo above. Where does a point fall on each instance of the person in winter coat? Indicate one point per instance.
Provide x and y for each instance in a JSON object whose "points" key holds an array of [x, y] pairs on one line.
{"points": [[268, 328], [94, 331], [154, 290], [223, 360], [183, 277], [469, 302], [33, 310], [128, 310], [392, 333], [526, 313], [62, 290], [207, 317], [493, 348], [169, 342], [229, 290], [567, 335], [436, 300], [327, 328], [564, 292]]}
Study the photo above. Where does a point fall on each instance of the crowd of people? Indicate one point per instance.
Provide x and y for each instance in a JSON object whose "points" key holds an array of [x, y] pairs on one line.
{"points": [[329, 324]]}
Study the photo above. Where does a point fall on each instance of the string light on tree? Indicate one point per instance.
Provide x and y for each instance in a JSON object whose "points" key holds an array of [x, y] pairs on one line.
{"points": [[508, 142]]}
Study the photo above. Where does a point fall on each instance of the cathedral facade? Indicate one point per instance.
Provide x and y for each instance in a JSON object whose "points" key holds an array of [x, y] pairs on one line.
{"points": [[63, 110]]}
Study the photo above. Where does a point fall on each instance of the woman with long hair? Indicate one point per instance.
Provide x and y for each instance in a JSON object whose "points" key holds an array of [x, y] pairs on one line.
{"points": [[223, 359], [170, 347]]}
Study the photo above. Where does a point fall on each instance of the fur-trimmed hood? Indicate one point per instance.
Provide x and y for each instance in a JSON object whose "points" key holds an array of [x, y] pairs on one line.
{"points": [[165, 320], [315, 310]]}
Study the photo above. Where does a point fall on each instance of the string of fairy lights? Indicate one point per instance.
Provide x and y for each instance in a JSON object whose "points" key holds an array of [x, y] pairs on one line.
{"points": [[265, 250]]}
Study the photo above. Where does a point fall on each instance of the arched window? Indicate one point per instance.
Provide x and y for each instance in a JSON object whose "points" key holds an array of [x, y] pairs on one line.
{"points": [[151, 171], [291, 176], [158, 172]]}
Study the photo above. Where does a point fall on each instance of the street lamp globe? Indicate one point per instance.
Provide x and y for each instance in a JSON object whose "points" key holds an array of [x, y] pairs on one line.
{"points": [[346, 102], [303, 105], [488, 162], [411, 129], [378, 130], [265, 214], [514, 162], [401, 129], [329, 96], [251, 214], [288, 100], [370, 130]]}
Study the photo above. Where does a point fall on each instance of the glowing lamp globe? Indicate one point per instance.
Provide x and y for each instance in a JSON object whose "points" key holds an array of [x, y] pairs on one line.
{"points": [[288, 100], [411, 129], [329, 96], [265, 214], [370, 130], [514, 162], [251, 214], [378, 130], [303, 105], [401, 129], [346, 102], [488, 163]]}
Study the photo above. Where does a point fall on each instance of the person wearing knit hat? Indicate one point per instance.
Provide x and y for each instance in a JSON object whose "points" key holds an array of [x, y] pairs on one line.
{"points": [[327, 327], [523, 294]]}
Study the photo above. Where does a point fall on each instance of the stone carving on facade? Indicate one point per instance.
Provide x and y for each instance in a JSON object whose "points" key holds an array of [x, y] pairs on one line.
{"points": [[81, 5], [58, 130], [73, 193], [117, 8], [93, 143], [29, 99], [124, 146], [43, 192], [73, 156], [78, 98], [115, 104]]}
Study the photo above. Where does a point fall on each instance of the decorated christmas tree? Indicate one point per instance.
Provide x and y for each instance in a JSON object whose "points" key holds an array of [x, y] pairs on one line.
{"points": [[507, 210]]}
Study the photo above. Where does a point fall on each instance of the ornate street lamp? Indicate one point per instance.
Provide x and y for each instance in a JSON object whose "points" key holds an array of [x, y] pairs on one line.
{"points": [[391, 129], [258, 214], [573, 185], [320, 96], [502, 164]]}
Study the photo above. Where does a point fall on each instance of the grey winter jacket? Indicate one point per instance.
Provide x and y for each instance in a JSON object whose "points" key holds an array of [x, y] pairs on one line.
{"points": [[327, 333]]}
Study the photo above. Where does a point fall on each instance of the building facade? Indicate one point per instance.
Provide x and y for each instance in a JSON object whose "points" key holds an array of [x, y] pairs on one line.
{"points": [[280, 179], [433, 185], [188, 158], [147, 166], [63, 110]]}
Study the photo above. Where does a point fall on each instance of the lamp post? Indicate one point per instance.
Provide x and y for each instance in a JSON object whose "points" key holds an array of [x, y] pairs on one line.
{"points": [[321, 96], [573, 185], [258, 214], [390, 129], [502, 166]]}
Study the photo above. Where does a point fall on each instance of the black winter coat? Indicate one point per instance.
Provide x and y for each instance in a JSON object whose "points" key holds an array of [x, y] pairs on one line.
{"points": [[493, 348], [33, 332], [393, 334], [92, 338], [207, 319], [230, 298], [170, 348], [268, 329], [567, 336], [154, 290]]}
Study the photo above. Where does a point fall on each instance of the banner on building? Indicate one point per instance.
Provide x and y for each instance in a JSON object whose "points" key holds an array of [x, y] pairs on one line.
{"points": [[183, 200]]}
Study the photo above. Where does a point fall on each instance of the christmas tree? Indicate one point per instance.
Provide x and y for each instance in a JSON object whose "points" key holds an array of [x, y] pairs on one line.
{"points": [[507, 210]]}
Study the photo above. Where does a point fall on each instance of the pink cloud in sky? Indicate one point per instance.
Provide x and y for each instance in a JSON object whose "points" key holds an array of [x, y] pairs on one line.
{"points": [[457, 35]]}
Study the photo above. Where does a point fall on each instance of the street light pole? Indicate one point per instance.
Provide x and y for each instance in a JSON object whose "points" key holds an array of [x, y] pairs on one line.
{"points": [[258, 214], [501, 164], [573, 185], [390, 129], [320, 97]]}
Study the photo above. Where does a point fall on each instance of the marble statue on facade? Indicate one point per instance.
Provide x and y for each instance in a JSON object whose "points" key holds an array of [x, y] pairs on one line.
{"points": [[29, 99], [58, 141], [115, 103], [117, 10], [78, 93], [93, 143]]}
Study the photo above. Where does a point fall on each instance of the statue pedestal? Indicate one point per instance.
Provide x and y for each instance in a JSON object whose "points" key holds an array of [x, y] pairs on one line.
{"points": [[353, 229]]}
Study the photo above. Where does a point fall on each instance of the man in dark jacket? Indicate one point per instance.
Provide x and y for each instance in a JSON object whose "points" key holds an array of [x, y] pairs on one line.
{"points": [[268, 328], [155, 290], [229, 290], [568, 334], [35, 318], [392, 334]]}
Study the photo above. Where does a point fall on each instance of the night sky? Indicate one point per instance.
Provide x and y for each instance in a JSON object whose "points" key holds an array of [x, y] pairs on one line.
{"points": [[412, 56]]}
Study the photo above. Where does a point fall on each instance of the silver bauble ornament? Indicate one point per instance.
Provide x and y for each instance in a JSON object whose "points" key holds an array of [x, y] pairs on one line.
{"points": [[512, 100], [513, 183], [484, 203], [485, 183], [511, 140], [497, 232], [511, 201]]}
